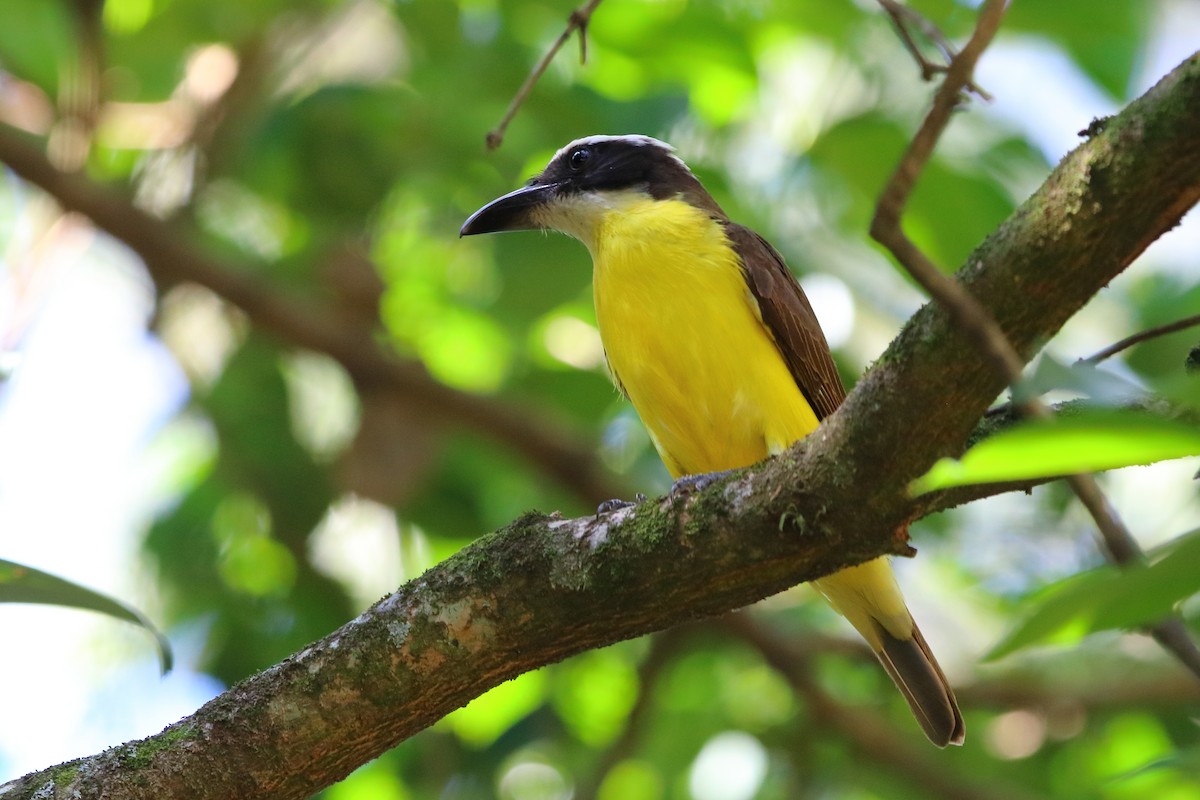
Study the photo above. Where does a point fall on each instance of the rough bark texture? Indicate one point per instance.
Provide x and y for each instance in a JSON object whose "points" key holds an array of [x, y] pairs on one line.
{"points": [[546, 588]]}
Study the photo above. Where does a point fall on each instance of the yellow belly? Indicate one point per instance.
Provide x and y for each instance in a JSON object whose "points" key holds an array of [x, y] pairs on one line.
{"points": [[683, 336]]}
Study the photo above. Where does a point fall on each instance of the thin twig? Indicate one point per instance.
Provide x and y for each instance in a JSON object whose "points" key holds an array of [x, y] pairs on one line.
{"points": [[977, 323], [1138, 338], [968, 314], [1174, 637], [1124, 551], [901, 16], [578, 21]]}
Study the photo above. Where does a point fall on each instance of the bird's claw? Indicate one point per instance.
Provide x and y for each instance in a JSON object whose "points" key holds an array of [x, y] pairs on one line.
{"points": [[616, 504], [689, 484]]}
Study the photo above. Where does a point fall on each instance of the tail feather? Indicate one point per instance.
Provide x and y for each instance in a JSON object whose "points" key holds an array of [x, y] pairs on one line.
{"points": [[914, 670], [868, 597]]}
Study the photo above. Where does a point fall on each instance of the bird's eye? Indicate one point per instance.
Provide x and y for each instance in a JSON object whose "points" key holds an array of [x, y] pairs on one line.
{"points": [[578, 158]]}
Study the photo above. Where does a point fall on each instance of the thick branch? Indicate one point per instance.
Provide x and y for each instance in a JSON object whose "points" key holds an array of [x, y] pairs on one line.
{"points": [[544, 589], [171, 255]]}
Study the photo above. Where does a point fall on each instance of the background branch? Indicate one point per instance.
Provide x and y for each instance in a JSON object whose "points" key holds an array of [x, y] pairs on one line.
{"points": [[867, 734], [1135, 690], [171, 256], [664, 648], [1142, 336], [902, 17]]}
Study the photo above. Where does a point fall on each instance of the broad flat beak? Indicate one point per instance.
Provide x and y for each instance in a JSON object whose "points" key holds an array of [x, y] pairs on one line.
{"points": [[510, 212]]}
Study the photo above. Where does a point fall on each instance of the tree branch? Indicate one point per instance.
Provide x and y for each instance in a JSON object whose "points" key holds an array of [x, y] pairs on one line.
{"points": [[973, 319], [1141, 336], [171, 256], [1109, 687], [546, 588]]}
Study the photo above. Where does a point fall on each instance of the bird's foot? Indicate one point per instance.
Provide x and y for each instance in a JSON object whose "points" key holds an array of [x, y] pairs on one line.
{"points": [[690, 484], [616, 504]]}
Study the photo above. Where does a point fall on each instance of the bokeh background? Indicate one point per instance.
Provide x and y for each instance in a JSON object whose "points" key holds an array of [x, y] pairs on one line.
{"points": [[249, 497]]}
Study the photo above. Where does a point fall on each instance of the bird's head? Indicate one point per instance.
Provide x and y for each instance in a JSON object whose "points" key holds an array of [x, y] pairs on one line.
{"points": [[588, 178]]}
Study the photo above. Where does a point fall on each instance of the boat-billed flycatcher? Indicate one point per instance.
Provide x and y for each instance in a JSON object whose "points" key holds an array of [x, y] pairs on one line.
{"points": [[710, 336]]}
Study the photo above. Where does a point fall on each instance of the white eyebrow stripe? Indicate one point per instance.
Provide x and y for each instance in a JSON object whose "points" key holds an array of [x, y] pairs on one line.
{"points": [[637, 139]]}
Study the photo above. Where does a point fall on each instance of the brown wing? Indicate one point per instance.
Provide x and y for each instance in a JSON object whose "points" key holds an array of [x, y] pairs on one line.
{"points": [[790, 319]]}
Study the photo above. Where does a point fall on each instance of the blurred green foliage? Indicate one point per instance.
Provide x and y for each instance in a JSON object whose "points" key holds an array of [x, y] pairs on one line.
{"points": [[292, 132]]}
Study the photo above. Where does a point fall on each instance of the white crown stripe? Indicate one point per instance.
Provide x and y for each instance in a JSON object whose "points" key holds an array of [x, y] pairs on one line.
{"points": [[636, 139]]}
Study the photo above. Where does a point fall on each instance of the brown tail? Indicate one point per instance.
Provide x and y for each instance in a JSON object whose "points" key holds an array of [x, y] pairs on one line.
{"points": [[916, 673], [868, 597]]}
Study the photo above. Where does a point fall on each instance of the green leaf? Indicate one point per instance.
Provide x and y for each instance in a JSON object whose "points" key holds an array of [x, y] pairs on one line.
{"points": [[1109, 598], [1091, 442], [21, 584]]}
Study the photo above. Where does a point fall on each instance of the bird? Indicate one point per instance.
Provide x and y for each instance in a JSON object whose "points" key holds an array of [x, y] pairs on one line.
{"points": [[709, 335]]}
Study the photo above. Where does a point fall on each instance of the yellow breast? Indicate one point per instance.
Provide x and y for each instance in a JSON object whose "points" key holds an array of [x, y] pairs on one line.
{"points": [[683, 336]]}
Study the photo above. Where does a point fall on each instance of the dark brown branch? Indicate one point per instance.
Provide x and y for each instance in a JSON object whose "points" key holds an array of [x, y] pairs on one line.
{"points": [[578, 21], [1138, 338], [1174, 637], [973, 319], [544, 588], [171, 256]]}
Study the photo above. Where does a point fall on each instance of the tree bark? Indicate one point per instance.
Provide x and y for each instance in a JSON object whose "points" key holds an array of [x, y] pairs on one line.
{"points": [[546, 588]]}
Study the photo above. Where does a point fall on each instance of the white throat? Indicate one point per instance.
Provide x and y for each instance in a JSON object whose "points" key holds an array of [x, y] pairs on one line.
{"points": [[581, 215]]}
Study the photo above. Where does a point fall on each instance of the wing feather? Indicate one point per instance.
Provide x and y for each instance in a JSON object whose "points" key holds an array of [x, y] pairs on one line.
{"points": [[790, 319]]}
